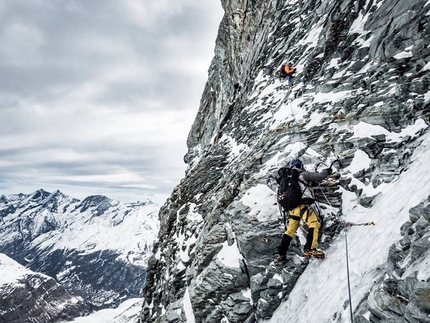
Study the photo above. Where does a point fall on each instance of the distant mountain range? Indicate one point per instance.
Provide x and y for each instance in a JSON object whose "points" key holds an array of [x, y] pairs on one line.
{"points": [[27, 296], [96, 248]]}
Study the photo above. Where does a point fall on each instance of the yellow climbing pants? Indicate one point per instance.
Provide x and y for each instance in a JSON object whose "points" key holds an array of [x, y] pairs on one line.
{"points": [[310, 220]]}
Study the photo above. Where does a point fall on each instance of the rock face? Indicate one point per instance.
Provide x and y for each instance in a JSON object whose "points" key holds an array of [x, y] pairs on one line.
{"points": [[405, 289], [96, 248], [29, 297], [361, 93]]}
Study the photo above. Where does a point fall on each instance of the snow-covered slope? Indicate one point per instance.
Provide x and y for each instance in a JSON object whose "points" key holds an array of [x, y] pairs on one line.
{"points": [[126, 312], [32, 297], [368, 250], [96, 248]]}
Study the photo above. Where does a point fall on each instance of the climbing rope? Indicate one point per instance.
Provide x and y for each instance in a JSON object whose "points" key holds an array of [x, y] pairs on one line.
{"points": [[256, 313], [345, 226], [295, 120], [348, 276], [351, 224], [347, 258]]}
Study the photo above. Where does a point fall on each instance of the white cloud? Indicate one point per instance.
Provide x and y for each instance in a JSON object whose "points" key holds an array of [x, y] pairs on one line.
{"points": [[98, 97]]}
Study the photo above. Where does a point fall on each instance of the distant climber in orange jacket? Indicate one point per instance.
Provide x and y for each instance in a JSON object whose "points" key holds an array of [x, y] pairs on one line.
{"points": [[287, 72]]}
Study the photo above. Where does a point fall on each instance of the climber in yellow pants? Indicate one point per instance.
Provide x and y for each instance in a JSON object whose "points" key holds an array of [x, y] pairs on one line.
{"points": [[304, 212], [311, 222]]}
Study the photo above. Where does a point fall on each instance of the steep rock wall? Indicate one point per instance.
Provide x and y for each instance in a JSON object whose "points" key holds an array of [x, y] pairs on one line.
{"points": [[359, 62]]}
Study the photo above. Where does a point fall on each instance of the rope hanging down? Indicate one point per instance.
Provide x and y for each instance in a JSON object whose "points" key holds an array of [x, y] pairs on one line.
{"points": [[345, 224], [296, 122], [351, 224], [347, 261], [348, 275], [346, 238]]}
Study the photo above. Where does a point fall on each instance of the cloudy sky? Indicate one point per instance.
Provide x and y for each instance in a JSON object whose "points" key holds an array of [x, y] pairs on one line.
{"points": [[98, 96]]}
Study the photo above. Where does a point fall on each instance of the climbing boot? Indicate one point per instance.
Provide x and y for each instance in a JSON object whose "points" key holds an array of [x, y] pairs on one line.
{"points": [[307, 253], [313, 253], [318, 253], [281, 258]]}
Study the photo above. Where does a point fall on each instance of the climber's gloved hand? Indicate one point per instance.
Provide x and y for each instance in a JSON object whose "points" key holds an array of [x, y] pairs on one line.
{"points": [[329, 171]]}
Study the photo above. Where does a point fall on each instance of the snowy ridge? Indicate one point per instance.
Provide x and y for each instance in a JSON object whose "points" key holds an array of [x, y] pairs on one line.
{"points": [[97, 223], [12, 272]]}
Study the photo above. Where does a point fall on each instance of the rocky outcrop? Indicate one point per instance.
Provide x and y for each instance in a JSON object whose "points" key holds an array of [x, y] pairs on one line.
{"points": [[403, 295], [361, 94]]}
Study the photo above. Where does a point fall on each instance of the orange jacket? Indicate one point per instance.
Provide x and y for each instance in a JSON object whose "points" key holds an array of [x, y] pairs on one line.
{"points": [[289, 70]]}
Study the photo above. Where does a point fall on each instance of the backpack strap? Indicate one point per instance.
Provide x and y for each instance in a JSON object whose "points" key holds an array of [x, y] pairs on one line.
{"points": [[301, 181], [284, 215], [307, 200]]}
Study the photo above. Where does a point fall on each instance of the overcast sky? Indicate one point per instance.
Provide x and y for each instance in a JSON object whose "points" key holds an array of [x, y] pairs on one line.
{"points": [[98, 96]]}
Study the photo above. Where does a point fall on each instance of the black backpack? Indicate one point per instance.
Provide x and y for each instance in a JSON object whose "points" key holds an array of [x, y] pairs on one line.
{"points": [[282, 73], [289, 192]]}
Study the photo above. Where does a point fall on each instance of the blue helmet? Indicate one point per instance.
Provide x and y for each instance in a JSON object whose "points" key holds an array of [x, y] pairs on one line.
{"points": [[296, 163]]}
